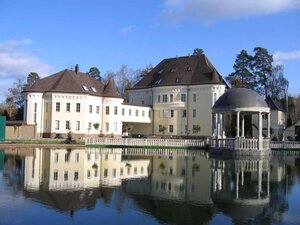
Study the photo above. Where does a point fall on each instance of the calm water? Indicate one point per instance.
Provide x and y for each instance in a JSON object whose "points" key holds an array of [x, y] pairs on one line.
{"points": [[136, 186]]}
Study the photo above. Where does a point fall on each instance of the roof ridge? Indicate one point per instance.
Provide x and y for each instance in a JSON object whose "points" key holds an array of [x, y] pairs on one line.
{"points": [[58, 80]]}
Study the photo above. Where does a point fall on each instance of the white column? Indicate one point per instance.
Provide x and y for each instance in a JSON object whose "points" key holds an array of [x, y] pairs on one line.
{"points": [[243, 125], [268, 184], [237, 185], [269, 125], [217, 124], [260, 138], [237, 124], [242, 177], [259, 180]]}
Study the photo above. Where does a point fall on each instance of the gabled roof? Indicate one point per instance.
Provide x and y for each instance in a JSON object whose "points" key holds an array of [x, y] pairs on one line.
{"points": [[68, 81], [186, 70], [110, 90], [273, 105]]}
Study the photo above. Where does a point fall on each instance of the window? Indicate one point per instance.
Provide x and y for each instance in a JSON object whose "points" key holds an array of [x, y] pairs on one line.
{"points": [[35, 111], [47, 107], [172, 113], [171, 128], [88, 174], [172, 70], [77, 125], [77, 107], [46, 121], [165, 98], [90, 108], [116, 110], [90, 126], [136, 112], [57, 106], [89, 156], [94, 89], [55, 175], [114, 172], [123, 111], [171, 97], [184, 113], [68, 107], [105, 173], [68, 125], [129, 112], [115, 127], [194, 97], [135, 170], [66, 176], [56, 124], [183, 97], [143, 102], [76, 175], [189, 68], [107, 127], [97, 109], [158, 98], [107, 110], [194, 113], [121, 172], [182, 172], [77, 157], [67, 157], [149, 114], [143, 113], [85, 88], [56, 157], [95, 172]]}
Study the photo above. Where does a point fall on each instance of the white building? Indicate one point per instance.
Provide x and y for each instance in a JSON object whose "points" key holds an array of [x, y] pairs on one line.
{"points": [[181, 92], [73, 101]]}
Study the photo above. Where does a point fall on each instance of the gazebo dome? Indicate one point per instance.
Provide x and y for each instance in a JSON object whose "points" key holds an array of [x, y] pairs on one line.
{"points": [[240, 98]]}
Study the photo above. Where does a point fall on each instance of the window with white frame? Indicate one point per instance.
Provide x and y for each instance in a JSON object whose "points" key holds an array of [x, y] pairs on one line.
{"points": [[77, 107], [194, 113], [115, 127], [143, 113], [136, 112], [123, 111], [172, 113], [171, 128], [68, 127], [107, 127], [68, 107], [129, 112], [183, 97], [35, 112], [165, 98], [158, 98], [194, 97], [56, 124], [97, 109], [57, 107], [90, 126], [90, 109], [116, 110], [107, 110], [171, 98], [77, 125]]}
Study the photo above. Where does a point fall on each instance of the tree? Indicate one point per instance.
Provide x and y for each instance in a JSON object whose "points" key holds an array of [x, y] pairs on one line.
{"points": [[277, 84], [31, 79], [162, 129], [242, 75], [96, 126], [95, 73], [198, 51], [196, 128], [15, 94], [262, 69]]}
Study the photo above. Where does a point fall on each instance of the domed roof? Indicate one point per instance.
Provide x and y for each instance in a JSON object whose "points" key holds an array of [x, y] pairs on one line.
{"points": [[240, 98]]}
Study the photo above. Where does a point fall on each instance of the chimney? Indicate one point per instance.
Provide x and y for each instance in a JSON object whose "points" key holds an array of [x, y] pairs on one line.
{"points": [[76, 68]]}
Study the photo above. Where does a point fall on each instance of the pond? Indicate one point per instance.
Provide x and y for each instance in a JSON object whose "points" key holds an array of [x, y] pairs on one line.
{"points": [[146, 186]]}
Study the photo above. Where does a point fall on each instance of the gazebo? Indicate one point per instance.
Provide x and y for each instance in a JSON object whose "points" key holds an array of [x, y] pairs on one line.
{"points": [[241, 102]]}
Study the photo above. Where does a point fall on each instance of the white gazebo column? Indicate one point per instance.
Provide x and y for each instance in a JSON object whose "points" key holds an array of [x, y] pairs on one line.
{"points": [[269, 125], [259, 179], [213, 124], [223, 126], [237, 185], [243, 125], [260, 138], [268, 184], [218, 125], [237, 124]]}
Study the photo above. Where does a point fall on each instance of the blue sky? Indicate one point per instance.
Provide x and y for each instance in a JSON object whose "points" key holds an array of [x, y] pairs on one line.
{"points": [[49, 36]]}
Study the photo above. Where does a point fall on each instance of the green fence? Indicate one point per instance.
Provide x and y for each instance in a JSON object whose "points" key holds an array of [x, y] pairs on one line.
{"points": [[2, 128]]}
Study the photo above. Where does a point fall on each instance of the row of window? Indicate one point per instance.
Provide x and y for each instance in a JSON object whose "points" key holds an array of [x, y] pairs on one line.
{"points": [[166, 98], [68, 155], [89, 173], [171, 113], [67, 125], [181, 187], [161, 128], [68, 107], [107, 111]]}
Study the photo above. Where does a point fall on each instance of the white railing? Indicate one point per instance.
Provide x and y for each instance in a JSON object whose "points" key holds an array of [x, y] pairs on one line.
{"points": [[285, 144], [239, 144], [201, 143]]}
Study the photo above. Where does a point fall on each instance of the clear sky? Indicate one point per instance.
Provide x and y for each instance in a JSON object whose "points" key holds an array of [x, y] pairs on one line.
{"points": [[47, 36]]}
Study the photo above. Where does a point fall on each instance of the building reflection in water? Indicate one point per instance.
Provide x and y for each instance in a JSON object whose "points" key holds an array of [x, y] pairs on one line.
{"points": [[175, 186]]}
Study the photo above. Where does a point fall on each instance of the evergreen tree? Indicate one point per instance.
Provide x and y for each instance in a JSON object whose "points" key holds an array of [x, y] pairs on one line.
{"points": [[242, 75], [95, 73], [32, 78], [198, 51]]}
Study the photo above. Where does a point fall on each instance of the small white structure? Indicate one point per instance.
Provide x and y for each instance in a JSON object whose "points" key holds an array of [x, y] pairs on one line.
{"points": [[241, 102]]}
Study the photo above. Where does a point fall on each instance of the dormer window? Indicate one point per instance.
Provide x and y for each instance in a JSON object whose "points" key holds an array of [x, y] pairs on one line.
{"points": [[172, 70], [85, 88], [94, 89], [189, 68], [160, 72], [178, 80], [158, 81]]}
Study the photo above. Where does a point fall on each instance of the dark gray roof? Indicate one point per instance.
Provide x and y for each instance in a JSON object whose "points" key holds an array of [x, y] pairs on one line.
{"points": [[68, 81], [274, 105], [239, 98], [187, 70]]}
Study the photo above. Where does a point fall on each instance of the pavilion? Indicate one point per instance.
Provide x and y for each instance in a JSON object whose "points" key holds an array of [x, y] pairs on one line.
{"points": [[240, 102]]}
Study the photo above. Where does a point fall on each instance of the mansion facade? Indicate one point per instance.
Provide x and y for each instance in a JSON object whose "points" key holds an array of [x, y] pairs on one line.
{"points": [[173, 99]]}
